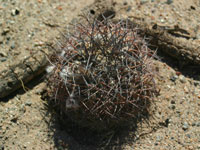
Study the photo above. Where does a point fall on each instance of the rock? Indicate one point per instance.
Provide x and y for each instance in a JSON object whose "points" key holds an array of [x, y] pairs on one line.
{"points": [[169, 87], [172, 107], [162, 20], [125, 3], [182, 79], [2, 59], [12, 45], [173, 102], [186, 89], [5, 31], [169, 1], [143, 1], [196, 83], [190, 147], [129, 8], [167, 122], [198, 124], [158, 138], [15, 12], [28, 103], [173, 78], [188, 135], [185, 126], [156, 143], [194, 124]]}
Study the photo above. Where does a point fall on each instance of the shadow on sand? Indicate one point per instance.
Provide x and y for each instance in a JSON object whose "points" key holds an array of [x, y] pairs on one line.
{"points": [[66, 134]]}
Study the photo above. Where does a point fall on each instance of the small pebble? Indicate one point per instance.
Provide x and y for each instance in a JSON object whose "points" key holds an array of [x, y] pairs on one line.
{"points": [[162, 20], [25, 146], [12, 45], [173, 78], [169, 86], [193, 124], [22, 108], [129, 8], [167, 122], [156, 143], [182, 79], [169, 1], [178, 112], [11, 21], [172, 107], [190, 147], [5, 31], [125, 3], [186, 89], [18, 97], [8, 39], [2, 59], [173, 102], [185, 126], [188, 135], [196, 83], [192, 7], [15, 12], [198, 124], [158, 138], [28, 103], [143, 1]]}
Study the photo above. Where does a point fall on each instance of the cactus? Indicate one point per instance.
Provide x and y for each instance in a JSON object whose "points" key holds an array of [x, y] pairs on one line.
{"points": [[101, 75]]}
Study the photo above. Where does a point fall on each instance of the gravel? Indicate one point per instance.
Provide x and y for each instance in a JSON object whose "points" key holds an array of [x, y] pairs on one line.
{"points": [[24, 118], [185, 126]]}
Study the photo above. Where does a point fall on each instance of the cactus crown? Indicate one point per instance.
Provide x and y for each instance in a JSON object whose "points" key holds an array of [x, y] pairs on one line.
{"points": [[102, 73]]}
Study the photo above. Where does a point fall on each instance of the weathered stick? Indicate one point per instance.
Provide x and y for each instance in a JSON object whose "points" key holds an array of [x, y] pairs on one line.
{"points": [[22, 72], [176, 42]]}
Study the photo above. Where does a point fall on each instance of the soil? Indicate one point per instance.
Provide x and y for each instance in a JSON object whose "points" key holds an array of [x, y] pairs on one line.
{"points": [[27, 121]]}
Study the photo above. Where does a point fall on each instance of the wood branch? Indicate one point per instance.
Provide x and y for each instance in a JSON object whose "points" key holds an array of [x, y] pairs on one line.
{"points": [[174, 41]]}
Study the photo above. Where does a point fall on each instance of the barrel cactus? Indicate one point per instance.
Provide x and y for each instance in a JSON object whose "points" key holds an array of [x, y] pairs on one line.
{"points": [[101, 74]]}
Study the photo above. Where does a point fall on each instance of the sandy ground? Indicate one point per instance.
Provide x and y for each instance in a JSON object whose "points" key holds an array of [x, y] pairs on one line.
{"points": [[26, 123]]}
